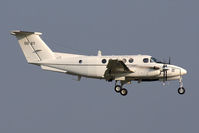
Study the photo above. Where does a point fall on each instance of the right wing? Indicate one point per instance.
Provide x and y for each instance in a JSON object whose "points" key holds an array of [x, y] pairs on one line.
{"points": [[116, 68]]}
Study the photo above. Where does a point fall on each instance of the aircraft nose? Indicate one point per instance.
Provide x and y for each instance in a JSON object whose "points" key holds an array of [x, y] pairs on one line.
{"points": [[183, 71]]}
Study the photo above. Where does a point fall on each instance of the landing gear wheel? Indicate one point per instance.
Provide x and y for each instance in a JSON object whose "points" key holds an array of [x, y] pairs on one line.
{"points": [[181, 90], [118, 88], [123, 92]]}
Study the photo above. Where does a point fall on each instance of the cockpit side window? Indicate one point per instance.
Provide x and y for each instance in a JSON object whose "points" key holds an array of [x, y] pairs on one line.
{"points": [[145, 60], [153, 60]]}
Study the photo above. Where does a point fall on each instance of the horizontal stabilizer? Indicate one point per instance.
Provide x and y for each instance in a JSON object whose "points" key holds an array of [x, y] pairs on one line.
{"points": [[18, 32], [52, 69]]}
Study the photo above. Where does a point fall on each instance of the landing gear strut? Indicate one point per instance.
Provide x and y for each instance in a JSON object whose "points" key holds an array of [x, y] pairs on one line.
{"points": [[181, 89], [119, 89]]}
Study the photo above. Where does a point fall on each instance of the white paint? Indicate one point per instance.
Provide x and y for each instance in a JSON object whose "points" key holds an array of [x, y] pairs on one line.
{"points": [[38, 53]]}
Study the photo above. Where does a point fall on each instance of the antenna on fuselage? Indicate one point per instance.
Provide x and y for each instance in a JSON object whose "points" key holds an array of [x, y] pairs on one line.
{"points": [[169, 60], [99, 53]]}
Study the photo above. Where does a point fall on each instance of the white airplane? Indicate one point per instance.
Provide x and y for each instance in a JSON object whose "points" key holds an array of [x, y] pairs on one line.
{"points": [[123, 68]]}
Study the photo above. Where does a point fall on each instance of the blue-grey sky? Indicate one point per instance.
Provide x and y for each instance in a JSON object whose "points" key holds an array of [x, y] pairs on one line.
{"points": [[37, 101]]}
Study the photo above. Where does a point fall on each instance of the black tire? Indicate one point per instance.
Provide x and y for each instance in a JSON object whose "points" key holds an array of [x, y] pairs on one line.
{"points": [[118, 88], [181, 90], [123, 92]]}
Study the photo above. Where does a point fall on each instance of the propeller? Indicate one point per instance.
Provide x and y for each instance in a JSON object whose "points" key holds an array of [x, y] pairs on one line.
{"points": [[164, 70], [166, 62]]}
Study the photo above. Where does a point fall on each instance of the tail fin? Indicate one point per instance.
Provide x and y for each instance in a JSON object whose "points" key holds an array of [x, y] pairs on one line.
{"points": [[33, 47]]}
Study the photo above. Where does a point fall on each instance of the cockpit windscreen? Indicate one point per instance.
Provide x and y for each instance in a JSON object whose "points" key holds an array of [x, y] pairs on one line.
{"points": [[155, 60]]}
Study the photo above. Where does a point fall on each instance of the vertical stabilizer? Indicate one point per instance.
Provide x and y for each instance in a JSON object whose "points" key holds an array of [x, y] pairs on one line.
{"points": [[33, 47]]}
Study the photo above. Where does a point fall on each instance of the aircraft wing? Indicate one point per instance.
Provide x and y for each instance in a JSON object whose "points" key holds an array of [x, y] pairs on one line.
{"points": [[116, 68]]}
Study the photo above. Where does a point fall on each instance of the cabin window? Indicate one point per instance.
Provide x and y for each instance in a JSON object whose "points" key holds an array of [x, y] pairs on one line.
{"points": [[103, 61], [80, 61], [145, 60], [124, 60], [130, 60]]}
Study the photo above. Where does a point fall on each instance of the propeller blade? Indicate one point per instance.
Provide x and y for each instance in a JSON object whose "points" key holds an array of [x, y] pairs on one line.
{"points": [[164, 70], [163, 76]]}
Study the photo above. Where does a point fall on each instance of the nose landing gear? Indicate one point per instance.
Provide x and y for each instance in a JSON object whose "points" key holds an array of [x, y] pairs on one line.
{"points": [[181, 89]]}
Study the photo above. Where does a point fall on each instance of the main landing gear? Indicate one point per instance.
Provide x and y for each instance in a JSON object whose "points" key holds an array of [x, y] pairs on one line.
{"points": [[181, 89], [119, 89]]}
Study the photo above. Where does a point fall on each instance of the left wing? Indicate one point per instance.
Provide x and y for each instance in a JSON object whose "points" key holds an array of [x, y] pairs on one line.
{"points": [[116, 68]]}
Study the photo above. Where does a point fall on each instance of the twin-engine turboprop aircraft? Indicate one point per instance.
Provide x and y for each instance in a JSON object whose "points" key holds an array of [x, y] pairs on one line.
{"points": [[123, 68]]}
